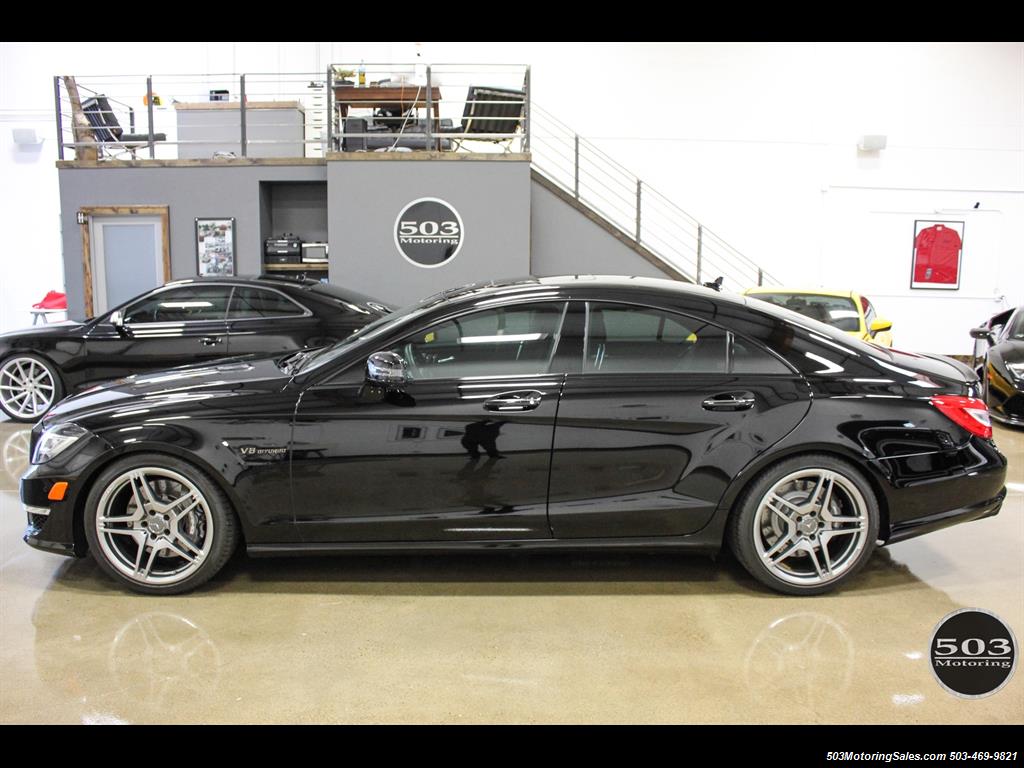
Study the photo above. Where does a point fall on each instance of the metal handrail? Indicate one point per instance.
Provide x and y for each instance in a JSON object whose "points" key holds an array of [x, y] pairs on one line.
{"points": [[314, 92], [629, 204]]}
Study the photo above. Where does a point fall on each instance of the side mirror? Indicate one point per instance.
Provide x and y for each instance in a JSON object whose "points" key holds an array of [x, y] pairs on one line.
{"points": [[981, 333], [117, 320], [386, 369], [879, 325]]}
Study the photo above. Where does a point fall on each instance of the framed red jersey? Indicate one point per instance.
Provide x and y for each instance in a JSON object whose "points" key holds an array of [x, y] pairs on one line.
{"points": [[938, 251]]}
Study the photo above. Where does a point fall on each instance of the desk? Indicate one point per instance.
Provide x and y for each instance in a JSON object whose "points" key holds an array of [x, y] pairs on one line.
{"points": [[400, 97], [395, 97]]}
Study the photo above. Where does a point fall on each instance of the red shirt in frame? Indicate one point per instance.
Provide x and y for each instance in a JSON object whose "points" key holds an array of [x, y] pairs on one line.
{"points": [[937, 255]]}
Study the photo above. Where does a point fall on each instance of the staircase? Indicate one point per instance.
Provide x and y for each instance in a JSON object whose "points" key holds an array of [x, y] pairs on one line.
{"points": [[633, 212]]}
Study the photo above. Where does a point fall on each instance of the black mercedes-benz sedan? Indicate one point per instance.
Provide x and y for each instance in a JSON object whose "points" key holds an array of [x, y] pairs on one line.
{"points": [[180, 323], [1002, 365], [538, 414]]}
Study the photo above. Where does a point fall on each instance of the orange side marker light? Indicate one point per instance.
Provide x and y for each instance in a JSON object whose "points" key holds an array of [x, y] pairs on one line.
{"points": [[57, 491]]}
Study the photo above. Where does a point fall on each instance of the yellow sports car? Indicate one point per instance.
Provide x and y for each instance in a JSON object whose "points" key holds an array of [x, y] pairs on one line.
{"points": [[845, 310]]}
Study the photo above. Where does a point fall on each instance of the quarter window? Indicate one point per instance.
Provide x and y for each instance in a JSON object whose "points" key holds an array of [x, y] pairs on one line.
{"points": [[178, 305], [254, 302], [747, 357], [502, 341]]}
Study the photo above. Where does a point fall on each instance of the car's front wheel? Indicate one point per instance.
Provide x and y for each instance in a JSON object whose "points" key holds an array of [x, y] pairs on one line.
{"points": [[29, 387], [158, 524], [806, 524]]}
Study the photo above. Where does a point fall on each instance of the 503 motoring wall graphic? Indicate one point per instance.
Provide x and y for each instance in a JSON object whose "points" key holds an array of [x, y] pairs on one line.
{"points": [[429, 232]]}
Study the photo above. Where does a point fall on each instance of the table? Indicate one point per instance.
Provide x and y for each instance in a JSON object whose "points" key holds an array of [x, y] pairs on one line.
{"points": [[43, 314], [400, 97]]}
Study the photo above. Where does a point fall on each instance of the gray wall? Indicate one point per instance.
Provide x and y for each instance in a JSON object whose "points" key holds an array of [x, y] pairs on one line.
{"points": [[513, 225], [190, 192], [565, 242], [366, 196]]}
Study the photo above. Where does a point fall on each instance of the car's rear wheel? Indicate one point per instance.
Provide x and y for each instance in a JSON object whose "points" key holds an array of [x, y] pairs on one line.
{"points": [[806, 524], [29, 387], [158, 524]]}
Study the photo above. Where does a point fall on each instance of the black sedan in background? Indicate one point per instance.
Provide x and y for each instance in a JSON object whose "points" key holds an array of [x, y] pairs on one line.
{"points": [[183, 322], [1002, 365], [552, 413]]}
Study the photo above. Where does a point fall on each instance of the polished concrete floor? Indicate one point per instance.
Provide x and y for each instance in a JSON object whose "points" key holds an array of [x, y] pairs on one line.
{"points": [[500, 639]]}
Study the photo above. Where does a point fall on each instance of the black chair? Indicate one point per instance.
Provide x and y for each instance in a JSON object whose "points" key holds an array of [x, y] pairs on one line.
{"points": [[108, 132], [490, 111]]}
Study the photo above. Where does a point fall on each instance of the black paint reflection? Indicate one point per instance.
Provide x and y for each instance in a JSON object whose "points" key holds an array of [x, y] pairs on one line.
{"points": [[482, 434]]}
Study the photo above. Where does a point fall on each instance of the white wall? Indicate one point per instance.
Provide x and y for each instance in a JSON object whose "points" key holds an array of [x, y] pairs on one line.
{"points": [[756, 140]]}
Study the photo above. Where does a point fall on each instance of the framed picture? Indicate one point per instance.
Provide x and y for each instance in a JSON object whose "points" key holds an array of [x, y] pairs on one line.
{"points": [[215, 246], [938, 252]]}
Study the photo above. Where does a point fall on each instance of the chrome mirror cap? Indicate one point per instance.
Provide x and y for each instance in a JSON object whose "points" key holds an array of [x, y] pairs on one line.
{"points": [[386, 368]]}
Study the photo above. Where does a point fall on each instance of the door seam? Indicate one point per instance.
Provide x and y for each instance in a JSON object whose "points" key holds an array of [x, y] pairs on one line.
{"points": [[551, 457]]}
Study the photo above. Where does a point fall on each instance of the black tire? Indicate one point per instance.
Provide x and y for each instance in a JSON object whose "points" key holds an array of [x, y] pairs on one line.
{"points": [[213, 516], [51, 370], [813, 571]]}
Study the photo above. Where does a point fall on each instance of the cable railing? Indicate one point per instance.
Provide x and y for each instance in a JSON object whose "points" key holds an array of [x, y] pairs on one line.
{"points": [[640, 212], [347, 107]]}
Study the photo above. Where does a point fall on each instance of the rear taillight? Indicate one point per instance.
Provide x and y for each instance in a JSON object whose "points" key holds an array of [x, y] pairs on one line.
{"points": [[968, 412]]}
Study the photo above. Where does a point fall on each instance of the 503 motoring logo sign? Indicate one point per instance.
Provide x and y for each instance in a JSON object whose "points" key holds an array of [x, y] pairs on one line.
{"points": [[973, 653], [428, 232]]}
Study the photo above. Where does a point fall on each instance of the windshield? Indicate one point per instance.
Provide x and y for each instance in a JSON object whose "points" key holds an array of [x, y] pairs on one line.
{"points": [[325, 355], [1016, 330], [838, 311]]}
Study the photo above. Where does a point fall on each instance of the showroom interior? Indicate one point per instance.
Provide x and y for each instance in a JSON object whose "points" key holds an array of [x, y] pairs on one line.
{"points": [[883, 182]]}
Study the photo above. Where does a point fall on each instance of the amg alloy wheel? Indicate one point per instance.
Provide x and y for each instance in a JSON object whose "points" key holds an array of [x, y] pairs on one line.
{"points": [[806, 524], [159, 524], [29, 386]]}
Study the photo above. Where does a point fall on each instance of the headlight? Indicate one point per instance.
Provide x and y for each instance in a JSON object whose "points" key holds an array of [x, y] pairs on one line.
{"points": [[55, 440], [1017, 369]]}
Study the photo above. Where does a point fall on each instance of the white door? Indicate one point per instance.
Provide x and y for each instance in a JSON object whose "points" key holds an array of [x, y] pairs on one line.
{"points": [[127, 258]]}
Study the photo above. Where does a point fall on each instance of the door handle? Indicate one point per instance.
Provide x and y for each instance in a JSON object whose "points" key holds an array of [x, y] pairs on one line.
{"points": [[729, 401], [514, 401], [210, 341]]}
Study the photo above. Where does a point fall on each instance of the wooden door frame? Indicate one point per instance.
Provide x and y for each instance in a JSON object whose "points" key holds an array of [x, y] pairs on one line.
{"points": [[85, 215]]}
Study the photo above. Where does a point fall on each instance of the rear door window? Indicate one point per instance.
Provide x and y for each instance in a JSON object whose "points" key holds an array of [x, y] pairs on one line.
{"points": [[629, 339], [247, 303]]}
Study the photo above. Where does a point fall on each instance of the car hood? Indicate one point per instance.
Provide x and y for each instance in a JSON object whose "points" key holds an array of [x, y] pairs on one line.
{"points": [[65, 328], [175, 388]]}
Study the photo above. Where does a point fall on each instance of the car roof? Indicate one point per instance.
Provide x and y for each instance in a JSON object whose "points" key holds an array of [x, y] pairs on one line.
{"points": [[268, 280], [802, 291], [573, 285]]}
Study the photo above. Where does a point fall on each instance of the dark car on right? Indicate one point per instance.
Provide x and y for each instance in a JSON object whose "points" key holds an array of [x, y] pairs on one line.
{"points": [[1001, 368]]}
